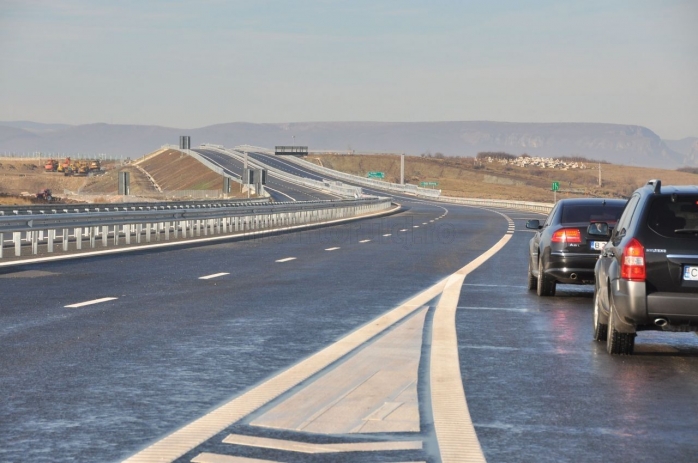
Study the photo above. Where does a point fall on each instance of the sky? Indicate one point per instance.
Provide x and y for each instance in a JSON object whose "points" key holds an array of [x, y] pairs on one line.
{"points": [[189, 64]]}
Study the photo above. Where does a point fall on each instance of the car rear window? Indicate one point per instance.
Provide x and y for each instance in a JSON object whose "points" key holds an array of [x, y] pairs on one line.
{"points": [[577, 213], [674, 216]]}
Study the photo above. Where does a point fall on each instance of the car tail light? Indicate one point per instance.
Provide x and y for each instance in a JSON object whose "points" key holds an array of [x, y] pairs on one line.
{"points": [[567, 235], [632, 266]]}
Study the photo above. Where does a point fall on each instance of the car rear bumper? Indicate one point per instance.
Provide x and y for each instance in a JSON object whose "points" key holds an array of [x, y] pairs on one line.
{"points": [[677, 308], [569, 268]]}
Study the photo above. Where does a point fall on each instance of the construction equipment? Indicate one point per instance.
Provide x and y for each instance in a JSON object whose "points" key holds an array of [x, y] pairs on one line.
{"points": [[95, 165], [51, 165], [64, 165], [44, 194]]}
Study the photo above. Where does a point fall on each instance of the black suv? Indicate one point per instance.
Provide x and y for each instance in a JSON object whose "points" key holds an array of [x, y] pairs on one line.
{"points": [[647, 275]]}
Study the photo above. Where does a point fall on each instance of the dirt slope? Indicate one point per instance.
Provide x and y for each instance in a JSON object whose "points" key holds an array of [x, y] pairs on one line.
{"points": [[173, 170]]}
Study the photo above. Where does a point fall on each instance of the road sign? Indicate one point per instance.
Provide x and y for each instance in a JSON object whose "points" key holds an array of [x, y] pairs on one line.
{"points": [[376, 175], [291, 150], [555, 186], [428, 183]]}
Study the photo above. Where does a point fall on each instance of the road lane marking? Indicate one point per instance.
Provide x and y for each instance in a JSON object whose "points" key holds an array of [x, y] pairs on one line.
{"points": [[94, 301], [215, 275], [404, 229], [424, 223], [286, 259], [453, 426], [206, 457], [388, 234], [186, 438], [415, 226], [364, 241], [333, 249], [304, 447], [448, 399]]}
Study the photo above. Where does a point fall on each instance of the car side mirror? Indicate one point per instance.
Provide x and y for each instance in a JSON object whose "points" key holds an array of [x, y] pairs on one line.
{"points": [[533, 224], [598, 229]]}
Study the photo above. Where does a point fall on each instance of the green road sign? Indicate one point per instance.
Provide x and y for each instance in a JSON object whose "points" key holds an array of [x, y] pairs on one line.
{"points": [[376, 175], [428, 183], [555, 187]]}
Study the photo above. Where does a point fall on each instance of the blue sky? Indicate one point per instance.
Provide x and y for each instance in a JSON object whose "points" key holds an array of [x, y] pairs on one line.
{"points": [[194, 63]]}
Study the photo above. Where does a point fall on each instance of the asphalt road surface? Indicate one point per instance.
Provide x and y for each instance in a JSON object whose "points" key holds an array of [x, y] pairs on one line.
{"points": [[100, 382], [278, 189]]}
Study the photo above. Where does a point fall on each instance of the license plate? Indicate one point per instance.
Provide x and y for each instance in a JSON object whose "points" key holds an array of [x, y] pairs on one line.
{"points": [[597, 245], [690, 273]]}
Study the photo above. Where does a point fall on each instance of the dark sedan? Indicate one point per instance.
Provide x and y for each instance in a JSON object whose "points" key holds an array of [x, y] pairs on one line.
{"points": [[561, 250]]}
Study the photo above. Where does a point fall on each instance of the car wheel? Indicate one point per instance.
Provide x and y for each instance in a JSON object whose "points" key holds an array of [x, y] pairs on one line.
{"points": [[545, 285], [600, 329], [532, 280], [618, 343]]}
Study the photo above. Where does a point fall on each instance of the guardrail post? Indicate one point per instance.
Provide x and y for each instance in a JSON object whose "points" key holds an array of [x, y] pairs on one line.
{"points": [[51, 234], [147, 233], [2, 242], [139, 229], [66, 235], [127, 233], [17, 239], [78, 238], [116, 235], [92, 236], [105, 235], [167, 231], [183, 223], [158, 229]]}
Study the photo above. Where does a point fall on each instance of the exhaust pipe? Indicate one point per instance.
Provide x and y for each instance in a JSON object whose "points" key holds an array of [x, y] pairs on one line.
{"points": [[661, 322], [573, 276]]}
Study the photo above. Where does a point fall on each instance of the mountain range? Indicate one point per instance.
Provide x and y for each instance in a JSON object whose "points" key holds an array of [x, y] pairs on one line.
{"points": [[615, 143]]}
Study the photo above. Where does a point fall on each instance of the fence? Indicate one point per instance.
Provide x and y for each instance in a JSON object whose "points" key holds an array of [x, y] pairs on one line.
{"points": [[71, 231]]}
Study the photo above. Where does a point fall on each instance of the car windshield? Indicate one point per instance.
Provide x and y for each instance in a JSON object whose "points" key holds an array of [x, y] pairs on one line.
{"points": [[578, 213], [674, 216]]}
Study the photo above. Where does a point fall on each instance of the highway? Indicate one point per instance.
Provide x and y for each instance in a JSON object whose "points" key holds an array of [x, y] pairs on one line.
{"points": [[278, 189], [168, 338]]}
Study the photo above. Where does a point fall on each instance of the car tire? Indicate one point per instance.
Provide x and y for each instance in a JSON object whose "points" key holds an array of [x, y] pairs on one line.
{"points": [[600, 329], [545, 285], [618, 343], [532, 280]]}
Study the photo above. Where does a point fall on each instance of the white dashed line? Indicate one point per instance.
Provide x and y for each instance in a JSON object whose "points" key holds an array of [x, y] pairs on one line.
{"points": [[424, 223], [364, 241], [415, 226], [388, 234], [404, 229], [94, 301], [333, 249], [215, 275], [286, 259]]}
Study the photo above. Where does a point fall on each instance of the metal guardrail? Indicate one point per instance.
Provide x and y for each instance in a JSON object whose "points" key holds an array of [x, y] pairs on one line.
{"points": [[420, 192], [159, 224], [327, 185], [396, 187], [543, 208], [51, 208]]}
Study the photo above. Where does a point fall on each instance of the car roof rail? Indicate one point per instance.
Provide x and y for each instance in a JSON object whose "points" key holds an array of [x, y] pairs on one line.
{"points": [[657, 185]]}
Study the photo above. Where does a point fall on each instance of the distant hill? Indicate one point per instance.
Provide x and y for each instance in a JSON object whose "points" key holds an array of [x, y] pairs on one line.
{"points": [[619, 144], [687, 147]]}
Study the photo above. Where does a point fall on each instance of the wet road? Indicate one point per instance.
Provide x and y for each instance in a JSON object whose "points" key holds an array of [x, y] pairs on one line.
{"points": [[100, 382]]}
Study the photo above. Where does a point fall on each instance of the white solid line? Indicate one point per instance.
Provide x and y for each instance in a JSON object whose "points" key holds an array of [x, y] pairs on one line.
{"points": [[333, 249], [364, 241], [388, 234], [286, 259], [215, 275], [94, 301]]}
